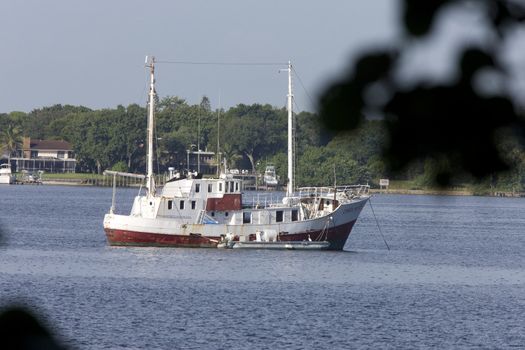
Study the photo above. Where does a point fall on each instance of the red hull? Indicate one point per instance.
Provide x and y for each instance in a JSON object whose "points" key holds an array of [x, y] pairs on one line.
{"points": [[132, 238], [337, 237]]}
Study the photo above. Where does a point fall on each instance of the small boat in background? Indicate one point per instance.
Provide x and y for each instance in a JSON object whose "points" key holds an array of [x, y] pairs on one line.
{"points": [[270, 178], [6, 176], [32, 178]]}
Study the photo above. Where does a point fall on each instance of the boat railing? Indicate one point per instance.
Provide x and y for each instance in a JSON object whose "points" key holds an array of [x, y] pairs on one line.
{"points": [[260, 201], [350, 191]]}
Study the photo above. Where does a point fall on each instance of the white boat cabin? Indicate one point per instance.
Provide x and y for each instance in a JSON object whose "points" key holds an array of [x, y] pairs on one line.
{"points": [[219, 201]]}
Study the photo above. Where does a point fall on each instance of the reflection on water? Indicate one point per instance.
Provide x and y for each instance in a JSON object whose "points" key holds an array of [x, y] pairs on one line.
{"points": [[453, 279]]}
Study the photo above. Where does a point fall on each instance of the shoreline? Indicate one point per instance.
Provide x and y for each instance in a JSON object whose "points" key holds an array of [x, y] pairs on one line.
{"points": [[445, 192], [433, 192], [425, 192]]}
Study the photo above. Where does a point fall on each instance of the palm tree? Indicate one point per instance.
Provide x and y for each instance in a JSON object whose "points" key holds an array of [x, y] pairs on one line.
{"points": [[231, 155], [10, 140]]}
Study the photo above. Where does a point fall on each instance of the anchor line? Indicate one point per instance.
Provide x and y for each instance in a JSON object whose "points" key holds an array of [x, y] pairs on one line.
{"points": [[324, 232], [377, 223]]}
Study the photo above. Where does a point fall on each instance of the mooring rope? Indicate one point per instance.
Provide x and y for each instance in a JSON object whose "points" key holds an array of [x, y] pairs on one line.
{"points": [[377, 223]]}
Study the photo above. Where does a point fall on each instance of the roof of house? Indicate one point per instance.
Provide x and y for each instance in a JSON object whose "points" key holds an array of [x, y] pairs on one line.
{"points": [[51, 145]]}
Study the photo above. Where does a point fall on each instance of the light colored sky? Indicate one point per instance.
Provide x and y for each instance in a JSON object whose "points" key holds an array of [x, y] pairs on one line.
{"points": [[92, 53]]}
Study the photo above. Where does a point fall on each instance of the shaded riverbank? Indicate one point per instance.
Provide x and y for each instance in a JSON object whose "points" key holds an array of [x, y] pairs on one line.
{"points": [[399, 187], [448, 192]]}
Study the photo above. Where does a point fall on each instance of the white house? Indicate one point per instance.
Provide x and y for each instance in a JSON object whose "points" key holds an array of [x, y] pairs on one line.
{"points": [[53, 156]]}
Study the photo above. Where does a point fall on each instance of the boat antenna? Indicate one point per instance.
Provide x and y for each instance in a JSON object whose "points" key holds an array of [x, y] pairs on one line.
{"points": [[289, 108], [150, 177], [335, 185]]}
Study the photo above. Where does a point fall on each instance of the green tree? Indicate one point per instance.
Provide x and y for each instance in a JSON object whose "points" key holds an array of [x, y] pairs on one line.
{"points": [[132, 130], [231, 155], [313, 167], [48, 122], [94, 141], [205, 104], [310, 131], [255, 130], [10, 139]]}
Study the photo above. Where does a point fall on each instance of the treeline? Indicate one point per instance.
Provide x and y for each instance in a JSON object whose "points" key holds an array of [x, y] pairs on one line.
{"points": [[251, 136]]}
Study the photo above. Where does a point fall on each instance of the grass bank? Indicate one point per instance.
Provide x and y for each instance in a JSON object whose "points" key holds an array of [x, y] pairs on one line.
{"points": [[396, 186], [412, 187]]}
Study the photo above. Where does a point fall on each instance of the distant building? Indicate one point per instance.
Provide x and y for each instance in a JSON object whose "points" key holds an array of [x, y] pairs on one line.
{"points": [[201, 161], [52, 156]]}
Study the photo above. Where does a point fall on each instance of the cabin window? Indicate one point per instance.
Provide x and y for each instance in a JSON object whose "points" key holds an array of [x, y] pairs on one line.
{"points": [[231, 186], [192, 204], [181, 205], [236, 186], [279, 216], [212, 213], [197, 188], [246, 217], [170, 205], [295, 215], [220, 186], [210, 187], [226, 214], [226, 187]]}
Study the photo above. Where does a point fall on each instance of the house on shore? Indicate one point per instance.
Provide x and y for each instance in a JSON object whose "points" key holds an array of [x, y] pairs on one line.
{"points": [[51, 156], [201, 161]]}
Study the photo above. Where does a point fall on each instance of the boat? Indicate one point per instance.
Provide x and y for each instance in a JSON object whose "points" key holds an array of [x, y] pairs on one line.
{"points": [[192, 211], [291, 245], [268, 240], [270, 177], [6, 176], [33, 178]]}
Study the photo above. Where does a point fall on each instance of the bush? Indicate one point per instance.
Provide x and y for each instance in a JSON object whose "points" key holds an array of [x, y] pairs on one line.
{"points": [[120, 166]]}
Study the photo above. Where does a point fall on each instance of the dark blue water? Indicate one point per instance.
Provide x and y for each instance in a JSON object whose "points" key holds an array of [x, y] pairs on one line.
{"points": [[454, 278]]}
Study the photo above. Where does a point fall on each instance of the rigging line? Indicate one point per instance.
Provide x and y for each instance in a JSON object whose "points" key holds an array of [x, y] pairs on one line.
{"points": [[144, 89], [157, 148], [296, 105], [377, 222], [324, 234], [304, 88], [224, 63]]}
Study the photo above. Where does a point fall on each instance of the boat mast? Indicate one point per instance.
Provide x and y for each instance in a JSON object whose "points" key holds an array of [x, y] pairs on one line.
{"points": [[218, 138], [290, 187], [150, 182]]}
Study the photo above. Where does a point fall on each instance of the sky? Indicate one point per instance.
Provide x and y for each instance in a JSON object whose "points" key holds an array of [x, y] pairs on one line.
{"points": [[92, 53]]}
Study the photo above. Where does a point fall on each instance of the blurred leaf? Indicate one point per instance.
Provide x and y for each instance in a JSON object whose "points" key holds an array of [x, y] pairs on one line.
{"points": [[453, 124], [19, 329], [342, 105], [372, 67], [418, 15]]}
